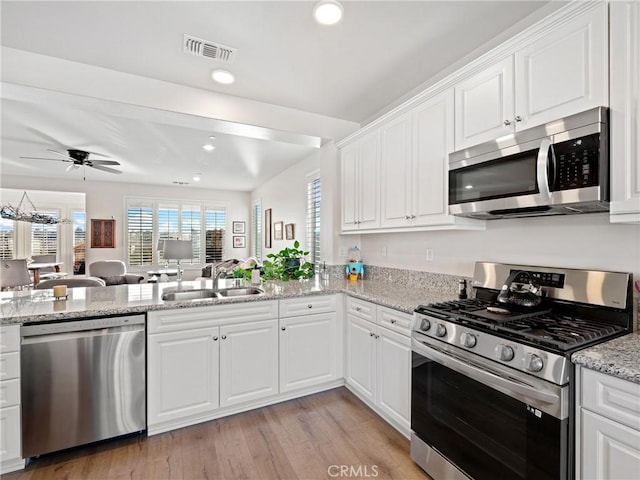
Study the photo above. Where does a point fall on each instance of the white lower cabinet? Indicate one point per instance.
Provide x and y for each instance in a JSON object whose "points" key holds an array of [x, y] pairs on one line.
{"points": [[608, 436], [378, 353], [183, 374], [10, 434], [248, 361]]}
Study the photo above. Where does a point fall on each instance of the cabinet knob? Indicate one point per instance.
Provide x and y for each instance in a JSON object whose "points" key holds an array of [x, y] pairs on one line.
{"points": [[393, 321], [507, 122], [215, 338], [518, 118], [224, 337], [407, 217], [358, 309], [283, 328], [371, 334], [412, 217], [377, 336], [309, 306]]}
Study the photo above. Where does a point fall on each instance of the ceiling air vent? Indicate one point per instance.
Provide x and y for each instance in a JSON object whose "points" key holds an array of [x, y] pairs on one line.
{"points": [[205, 48]]}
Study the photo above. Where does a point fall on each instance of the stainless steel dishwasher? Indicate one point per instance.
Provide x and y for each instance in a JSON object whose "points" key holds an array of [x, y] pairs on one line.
{"points": [[81, 381]]}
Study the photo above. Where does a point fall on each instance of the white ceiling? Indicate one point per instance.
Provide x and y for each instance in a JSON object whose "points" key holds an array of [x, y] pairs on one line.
{"points": [[379, 52]]}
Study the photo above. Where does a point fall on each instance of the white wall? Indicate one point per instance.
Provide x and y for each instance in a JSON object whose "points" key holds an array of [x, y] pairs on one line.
{"points": [[107, 200], [578, 241]]}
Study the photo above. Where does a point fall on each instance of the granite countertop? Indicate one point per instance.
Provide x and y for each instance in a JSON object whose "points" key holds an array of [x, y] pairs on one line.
{"points": [[619, 357], [39, 305]]}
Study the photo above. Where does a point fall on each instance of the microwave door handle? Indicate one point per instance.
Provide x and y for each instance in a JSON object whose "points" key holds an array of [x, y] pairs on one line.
{"points": [[542, 168]]}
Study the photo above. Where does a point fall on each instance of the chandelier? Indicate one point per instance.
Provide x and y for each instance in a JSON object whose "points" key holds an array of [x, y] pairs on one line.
{"points": [[18, 214]]}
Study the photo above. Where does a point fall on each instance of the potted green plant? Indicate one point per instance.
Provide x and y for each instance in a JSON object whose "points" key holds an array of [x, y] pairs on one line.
{"points": [[288, 264]]}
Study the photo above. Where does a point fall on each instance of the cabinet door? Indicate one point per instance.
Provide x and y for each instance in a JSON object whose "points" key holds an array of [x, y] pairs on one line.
{"points": [[361, 356], [307, 351], [248, 361], [608, 449], [433, 141], [564, 72], [395, 160], [349, 176], [393, 380], [10, 438], [369, 182], [625, 112], [484, 105], [183, 374]]}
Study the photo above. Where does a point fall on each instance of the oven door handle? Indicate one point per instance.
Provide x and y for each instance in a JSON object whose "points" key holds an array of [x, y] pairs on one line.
{"points": [[510, 386]]}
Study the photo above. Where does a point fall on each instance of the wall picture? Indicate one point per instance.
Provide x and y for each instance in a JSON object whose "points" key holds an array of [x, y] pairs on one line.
{"points": [[289, 231], [277, 230], [238, 228], [239, 241], [267, 228]]}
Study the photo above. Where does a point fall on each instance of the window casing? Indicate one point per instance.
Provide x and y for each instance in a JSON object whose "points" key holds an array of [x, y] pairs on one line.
{"points": [[256, 220], [79, 220], [7, 238]]}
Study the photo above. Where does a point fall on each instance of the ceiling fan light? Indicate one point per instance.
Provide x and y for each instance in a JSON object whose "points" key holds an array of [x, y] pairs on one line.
{"points": [[208, 147], [328, 12], [224, 77]]}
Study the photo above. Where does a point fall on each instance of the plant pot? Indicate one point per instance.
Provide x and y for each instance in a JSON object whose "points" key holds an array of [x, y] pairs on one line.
{"points": [[291, 265]]}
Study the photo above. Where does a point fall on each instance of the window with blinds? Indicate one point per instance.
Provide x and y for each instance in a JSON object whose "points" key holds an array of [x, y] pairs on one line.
{"points": [[44, 236], [79, 220], [140, 235], [314, 199], [256, 220], [215, 233], [6, 238], [190, 229]]}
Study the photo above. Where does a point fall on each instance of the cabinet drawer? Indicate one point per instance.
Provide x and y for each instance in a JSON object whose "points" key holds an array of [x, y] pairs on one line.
{"points": [[394, 320], [611, 397], [9, 338], [10, 433], [292, 307], [10, 393], [361, 309], [161, 321], [9, 365]]}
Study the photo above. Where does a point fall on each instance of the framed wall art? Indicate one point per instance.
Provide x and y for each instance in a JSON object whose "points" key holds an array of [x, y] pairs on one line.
{"points": [[103, 233], [277, 230], [239, 241], [289, 231], [267, 228], [238, 228]]}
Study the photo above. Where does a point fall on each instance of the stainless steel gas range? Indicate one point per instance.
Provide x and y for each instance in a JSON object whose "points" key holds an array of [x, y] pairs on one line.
{"points": [[492, 381]]}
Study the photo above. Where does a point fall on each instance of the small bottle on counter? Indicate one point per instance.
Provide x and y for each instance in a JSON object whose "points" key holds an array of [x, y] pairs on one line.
{"points": [[462, 289]]}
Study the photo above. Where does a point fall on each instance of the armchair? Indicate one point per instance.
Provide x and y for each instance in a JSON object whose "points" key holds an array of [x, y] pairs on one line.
{"points": [[113, 272]]}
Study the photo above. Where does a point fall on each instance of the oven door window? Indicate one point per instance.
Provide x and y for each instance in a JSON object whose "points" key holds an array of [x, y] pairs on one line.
{"points": [[485, 433], [510, 176]]}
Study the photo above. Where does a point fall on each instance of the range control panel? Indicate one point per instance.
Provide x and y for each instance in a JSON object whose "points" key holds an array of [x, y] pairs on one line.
{"points": [[545, 279], [577, 163]]}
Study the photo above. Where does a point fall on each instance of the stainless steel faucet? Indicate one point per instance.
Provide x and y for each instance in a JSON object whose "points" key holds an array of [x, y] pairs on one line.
{"points": [[222, 267]]}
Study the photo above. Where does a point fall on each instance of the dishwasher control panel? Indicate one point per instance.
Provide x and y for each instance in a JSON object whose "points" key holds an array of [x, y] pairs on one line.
{"points": [[29, 330]]}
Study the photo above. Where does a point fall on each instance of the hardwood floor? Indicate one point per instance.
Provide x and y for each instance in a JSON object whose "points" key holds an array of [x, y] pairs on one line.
{"points": [[329, 435]]}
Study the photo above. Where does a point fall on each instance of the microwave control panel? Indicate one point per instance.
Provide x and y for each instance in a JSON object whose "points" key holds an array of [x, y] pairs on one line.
{"points": [[576, 163]]}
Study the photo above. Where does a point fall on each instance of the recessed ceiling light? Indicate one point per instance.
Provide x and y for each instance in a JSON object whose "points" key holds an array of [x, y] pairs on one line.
{"points": [[223, 76], [196, 177], [208, 147], [212, 137], [328, 12]]}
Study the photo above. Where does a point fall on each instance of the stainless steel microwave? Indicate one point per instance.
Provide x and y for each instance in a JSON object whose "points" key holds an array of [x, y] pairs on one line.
{"points": [[554, 169]]}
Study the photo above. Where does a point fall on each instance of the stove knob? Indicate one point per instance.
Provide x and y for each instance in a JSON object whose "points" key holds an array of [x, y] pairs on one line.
{"points": [[533, 362], [425, 325], [441, 330], [468, 340], [504, 352]]}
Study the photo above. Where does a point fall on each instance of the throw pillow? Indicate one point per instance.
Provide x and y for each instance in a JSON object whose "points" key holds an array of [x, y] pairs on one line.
{"points": [[206, 271], [115, 280]]}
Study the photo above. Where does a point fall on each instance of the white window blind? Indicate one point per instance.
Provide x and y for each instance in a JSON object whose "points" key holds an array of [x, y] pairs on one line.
{"points": [[314, 199], [79, 241], [44, 236], [215, 232], [191, 222], [140, 234], [6, 238], [256, 220], [168, 224]]}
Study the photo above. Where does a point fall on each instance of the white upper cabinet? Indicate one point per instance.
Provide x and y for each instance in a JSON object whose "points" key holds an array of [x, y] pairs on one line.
{"points": [[485, 105], [561, 71], [360, 162], [625, 112]]}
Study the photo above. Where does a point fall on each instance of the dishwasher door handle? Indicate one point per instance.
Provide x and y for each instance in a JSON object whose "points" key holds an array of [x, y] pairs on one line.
{"points": [[74, 335]]}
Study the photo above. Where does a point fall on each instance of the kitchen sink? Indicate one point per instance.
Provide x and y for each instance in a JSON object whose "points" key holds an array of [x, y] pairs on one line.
{"points": [[183, 295], [239, 292]]}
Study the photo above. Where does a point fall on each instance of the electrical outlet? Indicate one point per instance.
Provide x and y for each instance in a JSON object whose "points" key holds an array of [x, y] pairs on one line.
{"points": [[429, 255], [383, 251], [342, 251]]}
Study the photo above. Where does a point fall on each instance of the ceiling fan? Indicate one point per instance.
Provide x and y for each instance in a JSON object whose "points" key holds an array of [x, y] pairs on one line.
{"points": [[80, 158]]}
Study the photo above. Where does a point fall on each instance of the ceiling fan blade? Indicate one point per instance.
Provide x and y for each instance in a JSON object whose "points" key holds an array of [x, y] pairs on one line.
{"points": [[105, 169], [61, 154], [73, 166], [102, 162], [51, 159]]}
